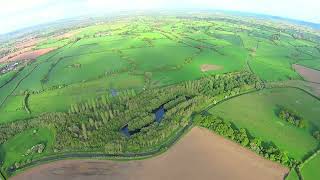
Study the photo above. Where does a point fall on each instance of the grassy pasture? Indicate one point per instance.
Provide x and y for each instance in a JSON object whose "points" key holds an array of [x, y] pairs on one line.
{"points": [[228, 63], [4, 78], [165, 57], [82, 68], [9, 88], [257, 113], [310, 171], [315, 64], [231, 38], [272, 63], [32, 80], [216, 42], [152, 45], [13, 109], [101, 44], [270, 70], [125, 51], [14, 149], [121, 54], [310, 50], [52, 43], [59, 100], [292, 175]]}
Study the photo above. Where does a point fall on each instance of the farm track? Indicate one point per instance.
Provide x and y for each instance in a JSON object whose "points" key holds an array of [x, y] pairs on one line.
{"points": [[249, 66]]}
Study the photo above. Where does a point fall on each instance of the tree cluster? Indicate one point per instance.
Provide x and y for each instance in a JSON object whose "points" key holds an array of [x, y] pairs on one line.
{"points": [[95, 125], [291, 117]]}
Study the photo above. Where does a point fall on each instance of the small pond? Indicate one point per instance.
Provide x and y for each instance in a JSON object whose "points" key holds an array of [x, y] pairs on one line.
{"points": [[113, 92], [159, 114]]}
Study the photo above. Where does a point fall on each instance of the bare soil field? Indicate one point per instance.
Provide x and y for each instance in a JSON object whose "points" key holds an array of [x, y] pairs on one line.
{"points": [[198, 155], [308, 74], [25, 54], [31, 42], [11, 55], [210, 67]]}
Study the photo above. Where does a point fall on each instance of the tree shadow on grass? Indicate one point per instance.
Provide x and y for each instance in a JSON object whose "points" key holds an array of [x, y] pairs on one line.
{"points": [[2, 158], [2, 155]]}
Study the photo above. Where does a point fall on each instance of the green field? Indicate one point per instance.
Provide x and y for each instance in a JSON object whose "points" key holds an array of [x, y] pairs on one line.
{"points": [[314, 64], [310, 170], [257, 113], [53, 43], [105, 75], [292, 175], [16, 147]]}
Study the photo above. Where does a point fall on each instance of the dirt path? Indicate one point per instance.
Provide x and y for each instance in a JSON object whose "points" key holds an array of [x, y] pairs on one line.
{"points": [[199, 155], [308, 74], [210, 67]]}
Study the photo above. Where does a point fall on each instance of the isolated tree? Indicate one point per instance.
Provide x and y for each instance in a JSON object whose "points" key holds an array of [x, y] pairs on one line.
{"points": [[84, 130], [316, 134]]}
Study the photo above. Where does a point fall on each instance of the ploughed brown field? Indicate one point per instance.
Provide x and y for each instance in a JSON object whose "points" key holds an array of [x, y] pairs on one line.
{"points": [[25, 54], [308, 74], [198, 155]]}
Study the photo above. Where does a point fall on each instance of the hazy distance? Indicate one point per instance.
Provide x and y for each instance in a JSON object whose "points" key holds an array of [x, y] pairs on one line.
{"points": [[17, 14]]}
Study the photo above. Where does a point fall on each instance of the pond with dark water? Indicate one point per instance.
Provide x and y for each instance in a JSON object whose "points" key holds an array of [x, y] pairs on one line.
{"points": [[159, 114]]}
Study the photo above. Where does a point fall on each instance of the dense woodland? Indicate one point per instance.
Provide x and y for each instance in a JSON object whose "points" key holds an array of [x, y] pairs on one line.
{"points": [[316, 134], [94, 125]]}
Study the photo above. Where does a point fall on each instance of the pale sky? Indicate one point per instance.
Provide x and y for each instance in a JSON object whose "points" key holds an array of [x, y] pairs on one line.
{"points": [[16, 14]]}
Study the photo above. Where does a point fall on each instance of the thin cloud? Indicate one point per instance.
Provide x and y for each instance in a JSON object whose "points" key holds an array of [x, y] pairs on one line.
{"points": [[15, 14]]}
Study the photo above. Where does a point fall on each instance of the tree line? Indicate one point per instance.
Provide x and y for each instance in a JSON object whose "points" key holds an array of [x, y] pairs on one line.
{"points": [[242, 137], [95, 125]]}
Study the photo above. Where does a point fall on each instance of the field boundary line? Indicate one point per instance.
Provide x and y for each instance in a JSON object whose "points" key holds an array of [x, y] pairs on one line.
{"points": [[2, 177], [302, 76], [129, 156], [106, 156], [12, 78], [293, 87], [26, 76]]}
